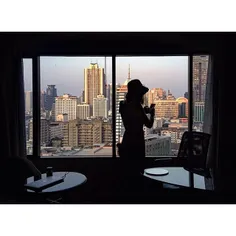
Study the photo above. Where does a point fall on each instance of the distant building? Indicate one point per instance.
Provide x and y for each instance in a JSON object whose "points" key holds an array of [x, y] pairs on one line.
{"points": [[109, 96], [93, 84], [186, 95], [66, 104], [121, 91], [56, 129], [155, 93], [200, 68], [62, 117], [156, 145], [28, 101], [81, 133], [166, 108], [199, 111], [51, 93], [43, 100], [83, 111], [100, 106], [182, 107], [44, 131]]}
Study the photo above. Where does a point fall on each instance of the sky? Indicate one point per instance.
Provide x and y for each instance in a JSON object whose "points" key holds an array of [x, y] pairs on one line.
{"points": [[67, 73]]}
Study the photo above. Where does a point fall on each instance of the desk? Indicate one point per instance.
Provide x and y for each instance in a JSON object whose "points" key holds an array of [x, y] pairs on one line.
{"points": [[180, 177], [71, 180]]}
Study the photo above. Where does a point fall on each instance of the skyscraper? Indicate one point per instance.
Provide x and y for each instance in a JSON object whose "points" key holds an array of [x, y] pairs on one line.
{"points": [[121, 91], [109, 96], [200, 66], [198, 112], [43, 100], [51, 93], [182, 107], [155, 93], [186, 95], [66, 104], [100, 106], [93, 83], [28, 101]]}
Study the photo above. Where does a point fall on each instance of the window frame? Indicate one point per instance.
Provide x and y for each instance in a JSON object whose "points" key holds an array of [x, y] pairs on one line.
{"points": [[36, 98]]}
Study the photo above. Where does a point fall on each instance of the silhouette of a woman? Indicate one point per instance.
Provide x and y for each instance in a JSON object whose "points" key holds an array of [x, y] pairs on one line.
{"points": [[134, 118]]}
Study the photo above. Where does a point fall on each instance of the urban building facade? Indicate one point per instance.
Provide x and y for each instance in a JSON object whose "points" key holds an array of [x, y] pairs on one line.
{"points": [[121, 91], [66, 104], [200, 68], [156, 145], [199, 111], [28, 102], [100, 104], [51, 94], [93, 84], [83, 111]]}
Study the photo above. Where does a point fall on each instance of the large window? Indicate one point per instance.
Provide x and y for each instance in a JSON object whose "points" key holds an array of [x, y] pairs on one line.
{"points": [[78, 102], [167, 80]]}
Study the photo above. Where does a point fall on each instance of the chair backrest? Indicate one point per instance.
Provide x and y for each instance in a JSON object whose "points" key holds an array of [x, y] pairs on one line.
{"points": [[193, 148]]}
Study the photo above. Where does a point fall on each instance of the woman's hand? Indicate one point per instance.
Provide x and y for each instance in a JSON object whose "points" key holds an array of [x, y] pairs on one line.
{"points": [[152, 111]]}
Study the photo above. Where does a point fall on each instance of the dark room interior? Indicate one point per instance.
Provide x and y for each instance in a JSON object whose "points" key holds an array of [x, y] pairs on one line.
{"points": [[107, 179]]}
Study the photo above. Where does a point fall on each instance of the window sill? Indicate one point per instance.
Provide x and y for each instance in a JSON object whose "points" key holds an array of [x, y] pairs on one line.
{"points": [[101, 157]]}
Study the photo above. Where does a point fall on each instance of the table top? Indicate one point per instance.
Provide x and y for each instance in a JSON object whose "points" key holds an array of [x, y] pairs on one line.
{"points": [[72, 180], [180, 177]]}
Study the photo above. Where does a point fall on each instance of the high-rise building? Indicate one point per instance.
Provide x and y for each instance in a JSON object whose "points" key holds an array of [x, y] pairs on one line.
{"points": [[100, 106], [182, 107], [83, 111], [199, 112], [52, 113], [93, 84], [166, 108], [186, 95], [51, 93], [155, 93], [121, 91], [28, 101], [109, 96], [81, 133], [44, 131], [43, 100], [56, 129], [200, 67], [66, 104]]}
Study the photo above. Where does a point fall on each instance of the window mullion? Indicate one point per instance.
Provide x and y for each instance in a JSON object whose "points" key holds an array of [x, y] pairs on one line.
{"points": [[36, 106], [114, 106]]}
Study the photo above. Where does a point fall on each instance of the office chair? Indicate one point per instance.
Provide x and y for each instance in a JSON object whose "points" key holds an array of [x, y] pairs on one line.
{"points": [[192, 154], [193, 150]]}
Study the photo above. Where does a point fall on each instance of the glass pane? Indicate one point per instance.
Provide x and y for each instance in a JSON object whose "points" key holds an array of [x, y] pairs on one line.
{"points": [[167, 80], [76, 118], [200, 71], [27, 73]]}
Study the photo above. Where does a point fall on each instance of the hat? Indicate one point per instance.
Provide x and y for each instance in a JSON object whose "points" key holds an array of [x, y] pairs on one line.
{"points": [[136, 87]]}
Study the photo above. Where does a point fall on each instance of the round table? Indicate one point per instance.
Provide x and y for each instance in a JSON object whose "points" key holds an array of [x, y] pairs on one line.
{"points": [[72, 180]]}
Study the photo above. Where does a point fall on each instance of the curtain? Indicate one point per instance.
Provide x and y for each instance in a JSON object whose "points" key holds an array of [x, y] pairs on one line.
{"points": [[15, 167], [12, 106], [210, 119]]}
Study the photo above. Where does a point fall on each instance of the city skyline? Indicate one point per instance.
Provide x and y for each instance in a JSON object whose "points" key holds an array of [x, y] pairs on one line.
{"points": [[67, 73]]}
